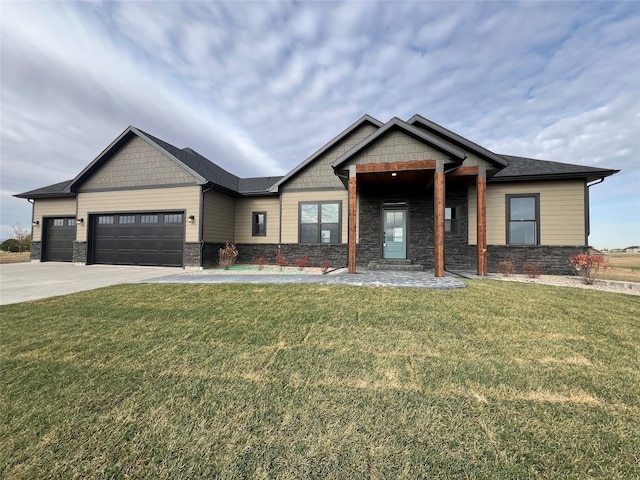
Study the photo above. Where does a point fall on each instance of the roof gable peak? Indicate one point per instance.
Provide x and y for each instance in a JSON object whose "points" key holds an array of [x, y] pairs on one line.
{"points": [[452, 137], [355, 125], [397, 123]]}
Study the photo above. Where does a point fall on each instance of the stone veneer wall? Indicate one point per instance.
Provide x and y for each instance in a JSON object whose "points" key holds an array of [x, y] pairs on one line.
{"points": [[420, 248], [554, 259], [192, 254], [335, 254], [35, 251], [458, 254], [79, 252]]}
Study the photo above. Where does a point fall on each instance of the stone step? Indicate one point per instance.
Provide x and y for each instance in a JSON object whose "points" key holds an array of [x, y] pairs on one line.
{"points": [[398, 267], [393, 261]]}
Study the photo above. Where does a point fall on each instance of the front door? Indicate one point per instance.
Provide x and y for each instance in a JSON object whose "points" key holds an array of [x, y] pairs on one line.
{"points": [[394, 233]]}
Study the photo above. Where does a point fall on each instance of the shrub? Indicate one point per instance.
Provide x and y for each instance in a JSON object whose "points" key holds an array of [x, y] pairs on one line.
{"points": [[227, 255], [259, 261], [10, 245], [280, 260], [506, 268], [325, 266], [586, 264], [302, 262], [533, 270]]}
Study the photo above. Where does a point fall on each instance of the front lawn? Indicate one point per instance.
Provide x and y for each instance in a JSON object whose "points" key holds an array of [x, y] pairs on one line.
{"points": [[498, 380]]}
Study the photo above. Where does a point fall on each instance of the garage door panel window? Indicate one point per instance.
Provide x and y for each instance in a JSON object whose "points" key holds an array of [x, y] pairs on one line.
{"points": [[173, 218], [105, 219], [148, 218], [127, 219]]}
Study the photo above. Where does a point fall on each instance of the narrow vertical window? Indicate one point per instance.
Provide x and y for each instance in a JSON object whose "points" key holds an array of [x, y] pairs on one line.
{"points": [[451, 220], [259, 228], [523, 219]]}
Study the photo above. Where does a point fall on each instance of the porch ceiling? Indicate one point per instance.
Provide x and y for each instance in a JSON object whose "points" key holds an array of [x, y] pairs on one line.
{"points": [[393, 180]]}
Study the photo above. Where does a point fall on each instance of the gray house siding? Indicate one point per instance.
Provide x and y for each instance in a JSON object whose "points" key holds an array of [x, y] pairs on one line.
{"points": [[319, 174], [137, 164]]}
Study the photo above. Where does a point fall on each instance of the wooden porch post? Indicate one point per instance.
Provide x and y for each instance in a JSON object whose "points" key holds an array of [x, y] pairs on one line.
{"points": [[481, 214], [353, 183], [438, 192]]}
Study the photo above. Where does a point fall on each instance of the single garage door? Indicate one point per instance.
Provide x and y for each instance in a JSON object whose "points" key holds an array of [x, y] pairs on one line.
{"points": [[138, 239], [59, 236]]}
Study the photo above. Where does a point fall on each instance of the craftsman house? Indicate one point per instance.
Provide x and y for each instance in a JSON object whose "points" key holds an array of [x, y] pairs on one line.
{"points": [[402, 194]]}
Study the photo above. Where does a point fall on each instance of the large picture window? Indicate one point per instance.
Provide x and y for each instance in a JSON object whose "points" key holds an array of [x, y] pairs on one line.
{"points": [[320, 222], [259, 228], [523, 219]]}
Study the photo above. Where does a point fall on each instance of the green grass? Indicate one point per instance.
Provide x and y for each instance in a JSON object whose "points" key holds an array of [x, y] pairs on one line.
{"points": [[498, 380]]}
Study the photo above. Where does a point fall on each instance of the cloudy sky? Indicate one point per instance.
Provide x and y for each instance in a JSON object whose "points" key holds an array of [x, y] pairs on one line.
{"points": [[259, 86]]}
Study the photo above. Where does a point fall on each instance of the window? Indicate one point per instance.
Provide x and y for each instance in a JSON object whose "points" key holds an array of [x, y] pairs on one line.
{"points": [[71, 222], [127, 219], [259, 228], [451, 220], [148, 218], [105, 219], [58, 222], [173, 218], [523, 219], [320, 222]]}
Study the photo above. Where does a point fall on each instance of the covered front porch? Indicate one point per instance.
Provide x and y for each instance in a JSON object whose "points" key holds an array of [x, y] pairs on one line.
{"points": [[415, 212]]}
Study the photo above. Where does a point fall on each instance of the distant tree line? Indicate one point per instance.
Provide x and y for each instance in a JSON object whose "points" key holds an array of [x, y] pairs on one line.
{"points": [[20, 240]]}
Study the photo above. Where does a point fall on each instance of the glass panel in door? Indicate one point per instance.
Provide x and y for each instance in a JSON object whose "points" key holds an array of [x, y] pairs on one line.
{"points": [[395, 233]]}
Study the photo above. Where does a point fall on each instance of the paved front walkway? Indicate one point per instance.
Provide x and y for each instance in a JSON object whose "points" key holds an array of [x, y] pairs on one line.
{"points": [[364, 278]]}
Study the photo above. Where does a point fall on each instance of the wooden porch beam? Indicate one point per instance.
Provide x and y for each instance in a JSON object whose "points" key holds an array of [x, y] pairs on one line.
{"points": [[353, 183], [397, 166], [464, 172], [438, 193], [481, 215]]}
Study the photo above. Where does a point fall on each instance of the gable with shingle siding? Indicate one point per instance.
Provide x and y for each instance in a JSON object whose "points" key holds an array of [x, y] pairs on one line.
{"points": [[320, 174], [397, 146], [137, 164]]}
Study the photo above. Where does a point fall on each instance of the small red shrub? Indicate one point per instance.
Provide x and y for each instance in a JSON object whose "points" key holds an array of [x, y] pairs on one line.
{"points": [[506, 268], [302, 262], [533, 270], [259, 261], [280, 260]]}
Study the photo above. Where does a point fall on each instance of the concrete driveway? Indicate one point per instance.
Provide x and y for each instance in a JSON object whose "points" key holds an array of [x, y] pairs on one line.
{"points": [[21, 282]]}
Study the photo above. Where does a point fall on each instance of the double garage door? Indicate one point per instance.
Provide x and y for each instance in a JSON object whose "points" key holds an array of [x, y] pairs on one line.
{"points": [[154, 238]]}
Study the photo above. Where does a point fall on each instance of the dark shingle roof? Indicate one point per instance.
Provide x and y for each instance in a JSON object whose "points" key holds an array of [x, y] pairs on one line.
{"points": [[256, 185], [192, 160], [50, 191], [522, 168], [199, 164]]}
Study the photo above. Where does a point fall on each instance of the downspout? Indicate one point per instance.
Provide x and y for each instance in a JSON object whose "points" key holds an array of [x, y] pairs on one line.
{"points": [[201, 226], [587, 209], [33, 207], [33, 211]]}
